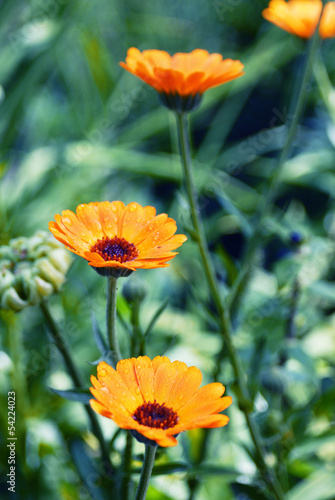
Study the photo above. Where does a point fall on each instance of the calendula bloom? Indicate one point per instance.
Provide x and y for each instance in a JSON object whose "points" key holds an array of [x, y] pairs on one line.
{"points": [[156, 399], [301, 17], [327, 23], [181, 79], [117, 239]]}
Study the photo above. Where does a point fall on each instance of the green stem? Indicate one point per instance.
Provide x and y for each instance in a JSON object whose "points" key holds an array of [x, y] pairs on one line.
{"points": [[76, 378], [296, 110], [126, 482], [148, 463], [111, 319], [223, 316]]}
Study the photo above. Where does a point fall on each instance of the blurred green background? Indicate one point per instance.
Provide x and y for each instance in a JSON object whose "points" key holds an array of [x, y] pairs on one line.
{"points": [[75, 128]]}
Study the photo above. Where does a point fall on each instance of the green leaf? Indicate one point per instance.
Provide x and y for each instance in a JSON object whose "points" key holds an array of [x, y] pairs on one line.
{"points": [[98, 337], [78, 395], [155, 318], [319, 486], [88, 471]]}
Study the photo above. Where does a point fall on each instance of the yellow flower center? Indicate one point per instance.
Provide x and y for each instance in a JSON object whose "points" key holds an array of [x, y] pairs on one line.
{"points": [[156, 415], [116, 248]]}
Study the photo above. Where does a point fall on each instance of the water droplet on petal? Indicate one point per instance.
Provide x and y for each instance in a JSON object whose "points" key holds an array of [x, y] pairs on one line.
{"points": [[66, 220], [132, 208], [117, 385], [150, 227], [108, 226], [114, 208], [138, 219], [102, 373], [137, 390], [132, 379], [139, 366], [126, 372]]}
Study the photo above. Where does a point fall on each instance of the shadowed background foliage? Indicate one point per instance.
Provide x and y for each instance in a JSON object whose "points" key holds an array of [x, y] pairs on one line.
{"points": [[75, 128]]}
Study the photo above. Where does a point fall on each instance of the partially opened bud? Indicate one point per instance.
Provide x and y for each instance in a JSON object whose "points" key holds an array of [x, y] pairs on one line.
{"points": [[11, 300], [31, 269]]}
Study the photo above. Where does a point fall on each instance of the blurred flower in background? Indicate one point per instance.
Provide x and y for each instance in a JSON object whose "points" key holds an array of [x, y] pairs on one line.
{"points": [[301, 17], [31, 269]]}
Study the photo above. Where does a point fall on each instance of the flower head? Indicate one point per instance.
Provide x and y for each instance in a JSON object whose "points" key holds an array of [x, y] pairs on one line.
{"points": [[181, 79], [301, 17], [156, 399], [117, 239], [31, 269]]}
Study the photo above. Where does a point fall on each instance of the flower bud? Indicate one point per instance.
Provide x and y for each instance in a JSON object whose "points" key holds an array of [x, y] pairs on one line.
{"points": [[275, 380], [134, 290], [31, 269], [50, 273], [43, 287], [11, 300]]}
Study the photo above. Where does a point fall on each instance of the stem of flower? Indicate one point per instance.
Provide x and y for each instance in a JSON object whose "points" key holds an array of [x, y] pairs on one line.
{"points": [[296, 109], [126, 481], [223, 315], [111, 319], [148, 463], [75, 375]]}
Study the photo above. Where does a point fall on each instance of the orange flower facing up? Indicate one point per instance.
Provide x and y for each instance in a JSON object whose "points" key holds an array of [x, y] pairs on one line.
{"points": [[301, 17], [116, 239], [156, 399], [181, 79]]}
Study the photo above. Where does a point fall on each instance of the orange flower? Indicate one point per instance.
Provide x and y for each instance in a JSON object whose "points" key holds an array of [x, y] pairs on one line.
{"points": [[116, 239], [156, 399], [327, 24], [301, 17], [183, 76]]}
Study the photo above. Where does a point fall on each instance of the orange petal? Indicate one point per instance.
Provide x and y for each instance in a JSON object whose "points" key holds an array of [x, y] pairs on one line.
{"points": [[209, 392], [166, 376], [145, 375], [192, 412], [117, 387], [184, 388]]}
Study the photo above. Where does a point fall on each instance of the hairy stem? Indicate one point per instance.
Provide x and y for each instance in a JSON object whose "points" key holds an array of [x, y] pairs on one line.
{"points": [[223, 315], [111, 319], [148, 463], [76, 378]]}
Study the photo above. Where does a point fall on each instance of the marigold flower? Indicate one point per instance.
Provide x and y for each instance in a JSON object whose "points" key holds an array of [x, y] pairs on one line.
{"points": [[301, 17], [116, 239], [156, 399], [181, 79]]}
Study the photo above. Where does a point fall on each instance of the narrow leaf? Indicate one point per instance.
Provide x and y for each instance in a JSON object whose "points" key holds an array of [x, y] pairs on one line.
{"points": [[78, 395], [155, 317], [98, 337]]}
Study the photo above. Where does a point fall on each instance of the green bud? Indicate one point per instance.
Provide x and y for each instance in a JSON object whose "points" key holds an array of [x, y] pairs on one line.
{"points": [[43, 287], [11, 300], [60, 259], [134, 290], [50, 273], [31, 269], [7, 279], [275, 380]]}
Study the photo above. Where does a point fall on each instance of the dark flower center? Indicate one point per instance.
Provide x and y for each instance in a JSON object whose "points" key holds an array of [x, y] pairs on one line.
{"points": [[115, 249], [156, 415]]}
